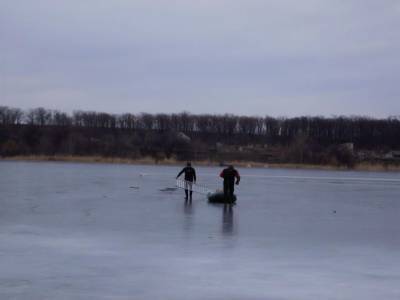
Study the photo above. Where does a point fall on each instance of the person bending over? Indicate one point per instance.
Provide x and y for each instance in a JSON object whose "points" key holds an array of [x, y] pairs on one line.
{"points": [[190, 177], [229, 175]]}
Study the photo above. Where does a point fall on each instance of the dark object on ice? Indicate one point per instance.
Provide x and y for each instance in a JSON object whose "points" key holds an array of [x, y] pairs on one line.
{"points": [[219, 197], [168, 189], [134, 187]]}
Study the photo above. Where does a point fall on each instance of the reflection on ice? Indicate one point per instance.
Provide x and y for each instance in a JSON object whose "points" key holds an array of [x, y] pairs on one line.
{"points": [[228, 220]]}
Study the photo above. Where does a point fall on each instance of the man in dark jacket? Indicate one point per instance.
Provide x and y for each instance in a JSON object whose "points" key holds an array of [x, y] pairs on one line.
{"points": [[229, 175], [190, 177]]}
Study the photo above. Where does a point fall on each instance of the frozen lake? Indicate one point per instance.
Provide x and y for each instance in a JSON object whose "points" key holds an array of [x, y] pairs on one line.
{"points": [[98, 231]]}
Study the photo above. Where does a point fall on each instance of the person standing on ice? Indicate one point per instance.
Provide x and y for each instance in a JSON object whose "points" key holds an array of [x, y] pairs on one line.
{"points": [[190, 177], [229, 175]]}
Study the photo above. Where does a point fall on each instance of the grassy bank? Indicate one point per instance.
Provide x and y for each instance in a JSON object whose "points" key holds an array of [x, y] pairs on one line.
{"points": [[151, 161]]}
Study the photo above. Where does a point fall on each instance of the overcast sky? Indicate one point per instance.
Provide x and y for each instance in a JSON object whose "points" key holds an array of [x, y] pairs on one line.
{"points": [[253, 57]]}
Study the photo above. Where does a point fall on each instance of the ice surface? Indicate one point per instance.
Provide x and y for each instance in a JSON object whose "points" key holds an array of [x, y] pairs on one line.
{"points": [[79, 231]]}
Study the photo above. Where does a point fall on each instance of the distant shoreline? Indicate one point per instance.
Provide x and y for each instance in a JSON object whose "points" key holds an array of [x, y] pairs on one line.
{"points": [[174, 162]]}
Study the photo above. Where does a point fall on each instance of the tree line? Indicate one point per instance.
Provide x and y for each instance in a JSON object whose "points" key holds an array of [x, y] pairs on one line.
{"points": [[364, 131], [83, 131]]}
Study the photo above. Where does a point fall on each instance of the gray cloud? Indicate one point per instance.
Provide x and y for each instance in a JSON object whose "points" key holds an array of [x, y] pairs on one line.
{"points": [[254, 57]]}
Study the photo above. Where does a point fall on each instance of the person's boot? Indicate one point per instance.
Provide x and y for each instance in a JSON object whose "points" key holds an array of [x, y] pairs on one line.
{"points": [[186, 194]]}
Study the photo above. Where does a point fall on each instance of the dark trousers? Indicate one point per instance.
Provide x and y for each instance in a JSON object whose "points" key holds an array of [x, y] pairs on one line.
{"points": [[188, 189], [229, 189]]}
